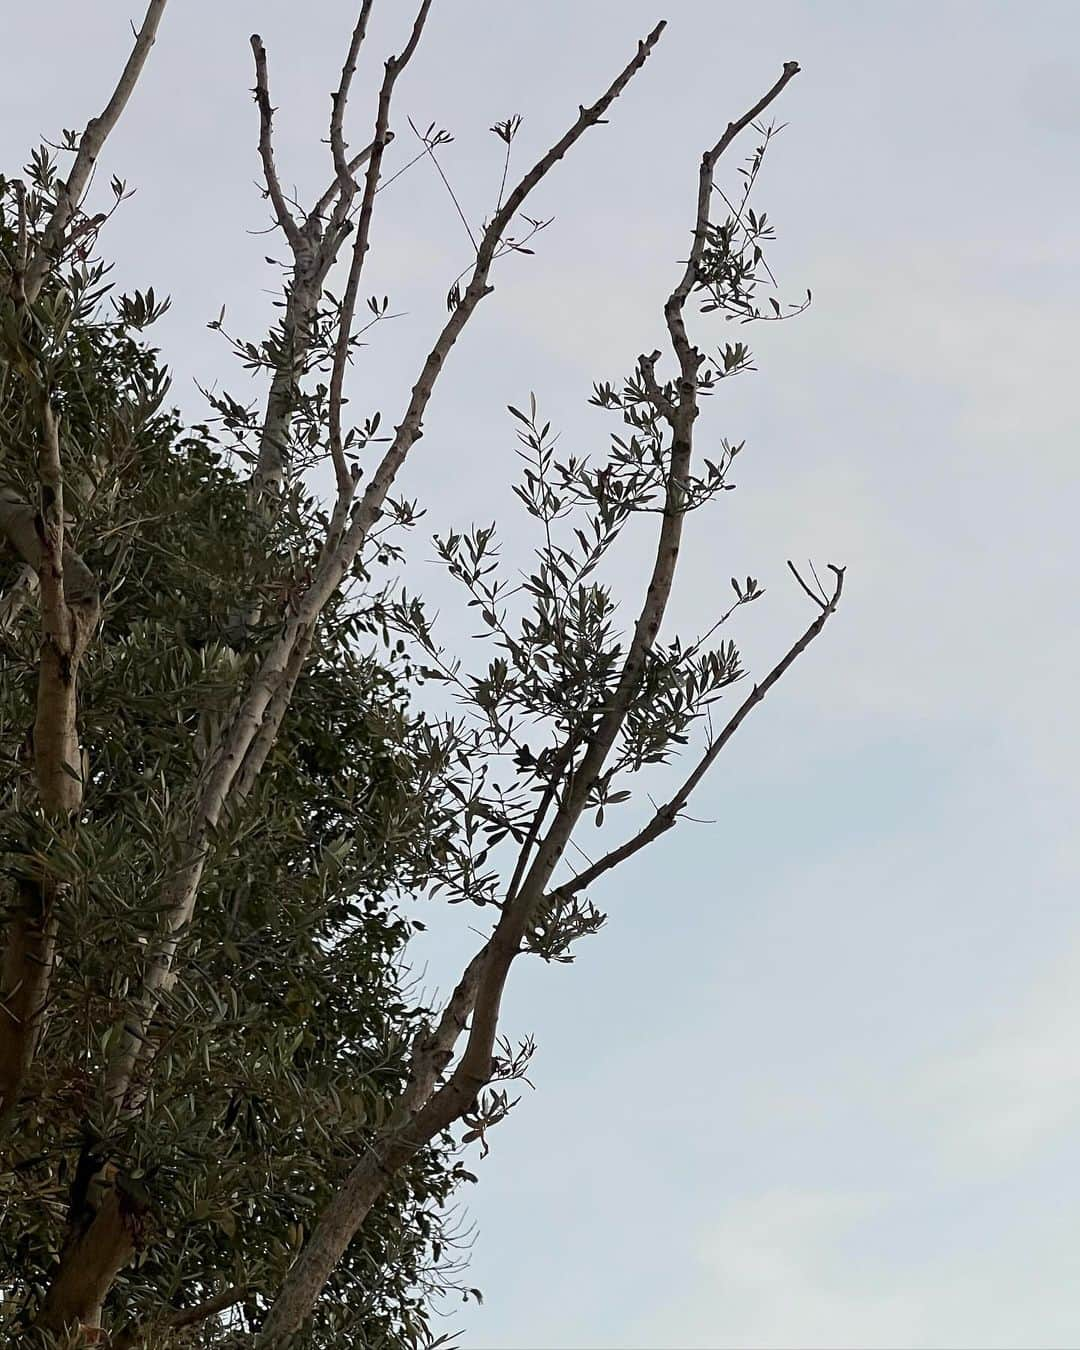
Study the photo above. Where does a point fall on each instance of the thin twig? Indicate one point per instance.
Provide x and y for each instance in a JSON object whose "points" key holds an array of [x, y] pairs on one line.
{"points": [[816, 598], [430, 152]]}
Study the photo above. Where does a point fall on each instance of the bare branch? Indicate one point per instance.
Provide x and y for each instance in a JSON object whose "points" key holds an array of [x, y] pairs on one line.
{"points": [[341, 97], [433, 1052], [662, 404], [429, 151], [90, 145], [362, 242], [336, 189], [817, 599], [266, 146]]}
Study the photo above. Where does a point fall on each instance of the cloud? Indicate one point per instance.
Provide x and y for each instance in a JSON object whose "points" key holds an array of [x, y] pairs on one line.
{"points": [[1016, 1089], [777, 1270]]}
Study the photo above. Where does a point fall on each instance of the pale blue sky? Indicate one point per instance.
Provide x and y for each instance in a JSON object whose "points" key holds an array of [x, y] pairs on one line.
{"points": [[817, 1083]]}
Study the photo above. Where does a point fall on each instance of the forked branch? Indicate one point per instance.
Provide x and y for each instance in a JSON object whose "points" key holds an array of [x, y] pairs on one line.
{"points": [[261, 711], [426, 1108]]}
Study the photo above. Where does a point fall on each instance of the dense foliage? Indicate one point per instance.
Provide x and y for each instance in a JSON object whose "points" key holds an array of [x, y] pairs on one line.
{"points": [[285, 1039]]}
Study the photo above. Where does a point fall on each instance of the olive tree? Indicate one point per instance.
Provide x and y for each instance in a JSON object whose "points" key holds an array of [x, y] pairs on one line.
{"points": [[218, 1096]]}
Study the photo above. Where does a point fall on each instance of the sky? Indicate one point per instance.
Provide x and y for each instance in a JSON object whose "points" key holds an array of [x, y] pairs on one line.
{"points": [[816, 1083]]}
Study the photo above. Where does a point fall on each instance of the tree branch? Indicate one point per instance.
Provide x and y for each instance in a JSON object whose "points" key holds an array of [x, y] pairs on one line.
{"points": [[179, 1318], [513, 923], [315, 251], [90, 145], [178, 900], [362, 242], [335, 189], [266, 146], [70, 606], [473, 1070], [340, 98], [349, 1207], [667, 815]]}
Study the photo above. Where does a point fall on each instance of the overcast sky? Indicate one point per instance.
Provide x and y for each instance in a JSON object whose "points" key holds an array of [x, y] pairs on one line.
{"points": [[817, 1083]]}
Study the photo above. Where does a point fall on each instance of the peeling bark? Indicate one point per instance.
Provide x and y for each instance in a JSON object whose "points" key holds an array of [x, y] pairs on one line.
{"points": [[101, 1242]]}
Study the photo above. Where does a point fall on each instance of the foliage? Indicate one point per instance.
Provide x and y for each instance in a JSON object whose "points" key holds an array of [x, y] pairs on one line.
{"points": [[223, 1107], [285, 1040]]}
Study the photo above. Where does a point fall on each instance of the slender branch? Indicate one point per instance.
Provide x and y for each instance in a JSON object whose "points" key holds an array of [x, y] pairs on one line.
{"points": [[817, 599], [187, 1317], [340, 97], [362, 242], [505, 171], [561, 761], [430, 152], [473, 1069], [705, 186], [266, 146], [90, 145], [176, 1320], [667, 815], [336, 190]]}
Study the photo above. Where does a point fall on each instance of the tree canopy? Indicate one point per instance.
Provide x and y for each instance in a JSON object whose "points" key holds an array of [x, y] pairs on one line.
{"points": [[225, 1112]]}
